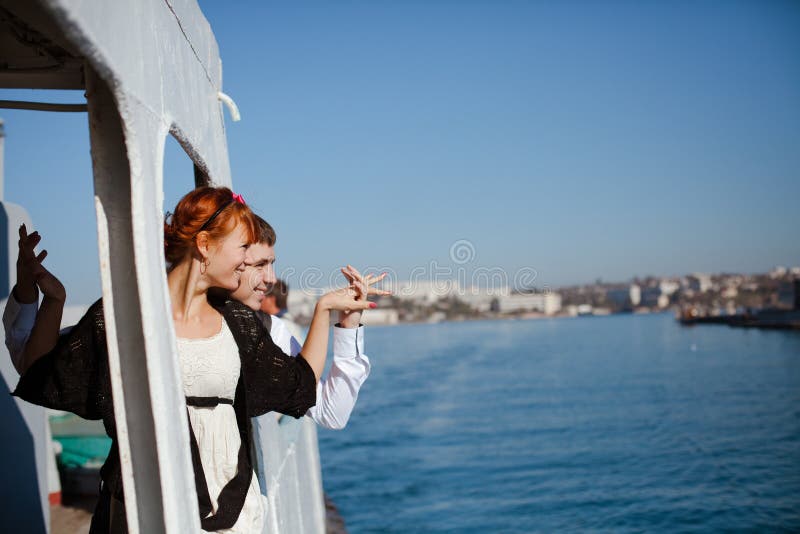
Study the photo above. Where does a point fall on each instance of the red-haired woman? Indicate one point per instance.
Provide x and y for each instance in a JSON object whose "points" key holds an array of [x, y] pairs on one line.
{"points": [[231, 369]]}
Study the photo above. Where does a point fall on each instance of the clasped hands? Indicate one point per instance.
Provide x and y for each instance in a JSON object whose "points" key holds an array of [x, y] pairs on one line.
{"points": [[351, 301], [32, 274]]}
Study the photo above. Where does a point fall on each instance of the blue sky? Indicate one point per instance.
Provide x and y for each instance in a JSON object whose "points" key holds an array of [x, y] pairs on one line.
{"points": [[581, 139]]}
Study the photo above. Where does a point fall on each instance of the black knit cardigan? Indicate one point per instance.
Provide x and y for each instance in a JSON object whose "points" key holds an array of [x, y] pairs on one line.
{"points": [[74, 377]]}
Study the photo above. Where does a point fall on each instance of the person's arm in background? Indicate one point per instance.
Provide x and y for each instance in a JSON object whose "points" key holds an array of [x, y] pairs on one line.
{"points": [[19, 315], [43, 335], [18, 319]]}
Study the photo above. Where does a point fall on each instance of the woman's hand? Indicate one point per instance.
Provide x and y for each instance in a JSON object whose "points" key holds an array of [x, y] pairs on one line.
{"points": [[25, 289], [51, 287], [44, 334], [31, 273]]}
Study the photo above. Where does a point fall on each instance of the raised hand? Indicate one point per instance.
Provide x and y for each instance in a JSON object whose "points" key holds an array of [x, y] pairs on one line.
{"points": [[31, 273], [360, 285], [51, 286], [25, 289]]}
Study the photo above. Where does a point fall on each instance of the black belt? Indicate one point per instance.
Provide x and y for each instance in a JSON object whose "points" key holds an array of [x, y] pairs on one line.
{"points": [[207, 402], [231, 498]]}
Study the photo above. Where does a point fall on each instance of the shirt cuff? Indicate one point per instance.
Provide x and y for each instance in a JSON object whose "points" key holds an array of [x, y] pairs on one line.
{"points": [[348, 343], [17, 312]]}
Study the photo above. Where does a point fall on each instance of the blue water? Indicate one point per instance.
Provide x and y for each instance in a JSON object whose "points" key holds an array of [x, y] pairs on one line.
{"points": [[617, 424]]}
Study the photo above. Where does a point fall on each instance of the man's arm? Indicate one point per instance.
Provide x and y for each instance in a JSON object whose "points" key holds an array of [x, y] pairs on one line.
{"points": [[338, 392]]}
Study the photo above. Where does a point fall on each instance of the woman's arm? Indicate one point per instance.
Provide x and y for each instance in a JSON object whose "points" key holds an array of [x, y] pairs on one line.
{"points": [[45, 331], [316, 346], [23, 302], [73, 376]]}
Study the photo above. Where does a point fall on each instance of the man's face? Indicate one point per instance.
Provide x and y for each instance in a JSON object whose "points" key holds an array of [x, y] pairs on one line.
{"points": [[259, 274]]}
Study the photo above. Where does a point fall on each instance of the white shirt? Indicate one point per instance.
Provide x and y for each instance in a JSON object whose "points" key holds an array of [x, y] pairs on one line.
{"points": [[338, 391], [18, 322], [336, 394]]}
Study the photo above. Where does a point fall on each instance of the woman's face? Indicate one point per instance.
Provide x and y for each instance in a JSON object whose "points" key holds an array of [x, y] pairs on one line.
{"points": [[259, 274], [226, 259]]}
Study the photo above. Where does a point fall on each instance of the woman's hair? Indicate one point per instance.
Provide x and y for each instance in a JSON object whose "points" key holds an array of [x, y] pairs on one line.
{"points": [[265, 232], [214, 210]]}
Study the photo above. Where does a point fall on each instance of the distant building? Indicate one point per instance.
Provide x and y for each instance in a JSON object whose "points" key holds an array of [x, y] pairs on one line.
{"points": [[789, 295], [426, 291], [437, 317], [301, 303], [729, 292], [668, 287], [778, 272], [580, 309], [547, 303], [635, 294], [699, 282], [482, 299], [380, 316], [650, 296], [625, 296]]}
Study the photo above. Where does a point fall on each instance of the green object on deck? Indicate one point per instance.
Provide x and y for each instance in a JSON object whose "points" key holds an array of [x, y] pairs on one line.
{"points": [[83, 451], [83, 443]]}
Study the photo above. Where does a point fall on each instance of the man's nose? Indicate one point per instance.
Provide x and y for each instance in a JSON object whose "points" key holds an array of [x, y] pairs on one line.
{"points": [[269, 276]]}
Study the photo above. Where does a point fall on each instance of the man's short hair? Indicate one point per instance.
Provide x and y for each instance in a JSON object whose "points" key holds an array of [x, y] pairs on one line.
{"points": [[266, 234], [280, 290]]}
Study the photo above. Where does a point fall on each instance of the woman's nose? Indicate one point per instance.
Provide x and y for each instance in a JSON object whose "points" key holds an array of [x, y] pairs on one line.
{"points": [[248, 257]]}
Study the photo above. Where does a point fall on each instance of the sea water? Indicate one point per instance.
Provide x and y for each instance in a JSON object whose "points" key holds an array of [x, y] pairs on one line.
{"points": [[628, 423]]}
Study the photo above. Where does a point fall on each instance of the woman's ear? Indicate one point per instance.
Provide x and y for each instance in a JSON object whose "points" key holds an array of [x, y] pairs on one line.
{"points": [[202, 244]]}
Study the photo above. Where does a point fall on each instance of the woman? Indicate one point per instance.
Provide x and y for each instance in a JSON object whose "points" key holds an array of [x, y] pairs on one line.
{"points": [[231, 369]]}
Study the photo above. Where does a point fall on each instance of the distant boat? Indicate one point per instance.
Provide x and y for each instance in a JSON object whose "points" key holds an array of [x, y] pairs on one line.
{"points": [[776, 319]]}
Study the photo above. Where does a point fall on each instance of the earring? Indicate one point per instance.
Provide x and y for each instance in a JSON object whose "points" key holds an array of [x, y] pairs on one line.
{"points": [[204, 266]]}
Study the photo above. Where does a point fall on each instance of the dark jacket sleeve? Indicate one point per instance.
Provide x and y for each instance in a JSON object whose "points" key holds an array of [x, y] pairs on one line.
{"points": [[274, 381], [73, 376]]}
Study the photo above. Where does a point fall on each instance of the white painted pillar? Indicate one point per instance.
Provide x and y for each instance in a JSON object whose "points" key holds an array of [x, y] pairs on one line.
{"points": [[127, 153]]}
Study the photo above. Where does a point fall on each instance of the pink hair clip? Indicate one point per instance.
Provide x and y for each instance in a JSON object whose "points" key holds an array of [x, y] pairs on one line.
{"points": [[238, 198]]}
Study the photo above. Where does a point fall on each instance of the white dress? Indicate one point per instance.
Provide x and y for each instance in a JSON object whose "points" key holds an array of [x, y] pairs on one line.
{"points": [[210, 368]]}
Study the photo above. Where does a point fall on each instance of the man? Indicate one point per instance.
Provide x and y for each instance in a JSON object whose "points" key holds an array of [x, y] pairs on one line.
{"points": [[337, 393]]}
